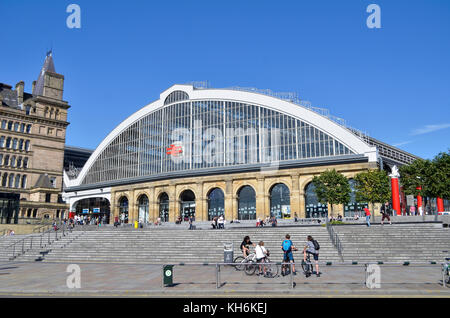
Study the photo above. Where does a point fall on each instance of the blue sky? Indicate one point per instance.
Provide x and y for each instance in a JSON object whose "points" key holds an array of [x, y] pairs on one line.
{"points": [[392, 82]]}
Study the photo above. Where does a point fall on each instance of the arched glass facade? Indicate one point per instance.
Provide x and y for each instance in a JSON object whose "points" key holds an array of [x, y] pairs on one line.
{"points": [[314, 209], [216, 203], [93, 208], [164, 207], [208, 134], [280, 201], [187, 205], [246, 203], [143, 209]]}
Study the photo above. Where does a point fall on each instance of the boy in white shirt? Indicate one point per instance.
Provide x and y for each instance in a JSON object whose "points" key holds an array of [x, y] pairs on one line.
{"points": [[261, 254]]}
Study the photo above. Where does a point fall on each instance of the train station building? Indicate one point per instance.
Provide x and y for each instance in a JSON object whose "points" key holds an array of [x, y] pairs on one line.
{"points": [[240, 152]]}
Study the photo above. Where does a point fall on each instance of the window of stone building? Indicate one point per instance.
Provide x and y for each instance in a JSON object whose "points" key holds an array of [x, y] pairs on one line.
{"points": [[14, 145], [4, 123], [16, 126], [8, 142], [29, 213], [25, 162], [1, 159], [10, 125], [46, 216], [2, 141], [24, 182], [34, 213], [57, 214], [48, 197], [27, 145], [6, 162], [50, 131], [19, 162], [21, 141], [27, 109], [17, 182], [28, 129], [11, 180], [4, 179], [53, 181], [22, 128], [13, 161]]}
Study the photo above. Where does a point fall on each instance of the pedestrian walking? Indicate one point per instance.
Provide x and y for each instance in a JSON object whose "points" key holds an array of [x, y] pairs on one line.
{"points": [[385, 214], [367, 212]]}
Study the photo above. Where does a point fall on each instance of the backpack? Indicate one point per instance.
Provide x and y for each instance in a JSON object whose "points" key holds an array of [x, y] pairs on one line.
{"points": [[287, 245], [316, 245]]}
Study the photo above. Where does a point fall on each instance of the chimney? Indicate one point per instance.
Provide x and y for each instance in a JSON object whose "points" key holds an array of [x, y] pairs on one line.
{"points": [[33, 86], [19, 89]]}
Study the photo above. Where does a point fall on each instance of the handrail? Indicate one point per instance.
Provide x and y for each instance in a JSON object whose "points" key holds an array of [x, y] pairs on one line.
{"points": [[27, 246], [335, 239]]}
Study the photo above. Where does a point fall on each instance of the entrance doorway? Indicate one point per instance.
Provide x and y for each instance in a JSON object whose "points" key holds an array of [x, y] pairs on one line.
{"points": [[187, 205]]}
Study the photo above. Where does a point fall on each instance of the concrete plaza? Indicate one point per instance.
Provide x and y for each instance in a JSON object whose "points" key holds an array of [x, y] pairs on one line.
{"points": [[120, 280]]}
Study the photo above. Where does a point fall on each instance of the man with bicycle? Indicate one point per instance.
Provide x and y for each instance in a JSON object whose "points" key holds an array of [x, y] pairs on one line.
{"points": [[312, 248], [287, 246]]}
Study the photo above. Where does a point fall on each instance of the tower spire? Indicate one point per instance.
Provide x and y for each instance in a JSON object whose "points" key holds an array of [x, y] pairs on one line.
{"points": [[48, 66]]}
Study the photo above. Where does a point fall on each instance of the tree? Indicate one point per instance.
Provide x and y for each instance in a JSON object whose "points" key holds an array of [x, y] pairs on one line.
{"points": [[373, 187], [432, 177], [332, 187]]}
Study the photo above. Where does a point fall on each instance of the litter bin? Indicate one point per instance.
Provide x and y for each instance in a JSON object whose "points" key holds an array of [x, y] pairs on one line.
{"points": [[168, 275], [228, 253], [136, 224]]}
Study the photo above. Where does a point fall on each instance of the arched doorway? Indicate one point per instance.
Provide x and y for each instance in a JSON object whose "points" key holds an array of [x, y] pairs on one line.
{"points": [[216, 203], [187, 205], [143, 209], [314, 209], [354, 207], [246, 203], [93, 209], [280, 201], [164, 207], [123, 210]]}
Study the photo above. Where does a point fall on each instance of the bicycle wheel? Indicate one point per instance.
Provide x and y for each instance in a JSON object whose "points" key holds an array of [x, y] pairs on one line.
{"points": [[241, 261], [250, 268], [307, 268], [272, 270]]}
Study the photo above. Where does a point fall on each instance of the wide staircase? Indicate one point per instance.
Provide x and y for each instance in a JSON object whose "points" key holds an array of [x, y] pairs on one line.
{"points": [[159, 245], [414, 243]]}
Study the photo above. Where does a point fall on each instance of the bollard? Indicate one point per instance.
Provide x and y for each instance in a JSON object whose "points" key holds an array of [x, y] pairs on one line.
{"points": [[217, 276]]}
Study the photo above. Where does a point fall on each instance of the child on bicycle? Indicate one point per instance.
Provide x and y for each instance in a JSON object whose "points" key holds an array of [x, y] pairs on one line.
{"points": [[245, 246], [287, 246]]}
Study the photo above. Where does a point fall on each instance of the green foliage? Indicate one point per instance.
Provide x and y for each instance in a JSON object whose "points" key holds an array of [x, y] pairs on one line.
{"points": [[332, 187], [433, 176], [372, 186]]}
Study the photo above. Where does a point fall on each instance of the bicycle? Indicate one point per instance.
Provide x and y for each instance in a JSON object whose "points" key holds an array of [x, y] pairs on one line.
{"points": [[307, 265], [242, 261]]}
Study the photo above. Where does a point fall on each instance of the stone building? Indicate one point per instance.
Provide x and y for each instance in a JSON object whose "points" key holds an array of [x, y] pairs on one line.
{"points": [[32, 139], [205, 152]]}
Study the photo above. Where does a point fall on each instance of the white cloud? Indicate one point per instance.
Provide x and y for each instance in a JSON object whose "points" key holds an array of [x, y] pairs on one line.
{"points": [[403, 143], [429, 128]]}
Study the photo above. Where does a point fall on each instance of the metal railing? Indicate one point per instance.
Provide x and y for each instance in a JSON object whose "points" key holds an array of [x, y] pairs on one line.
{"points": [[335, 240], [225, 276], [45, 239]]}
